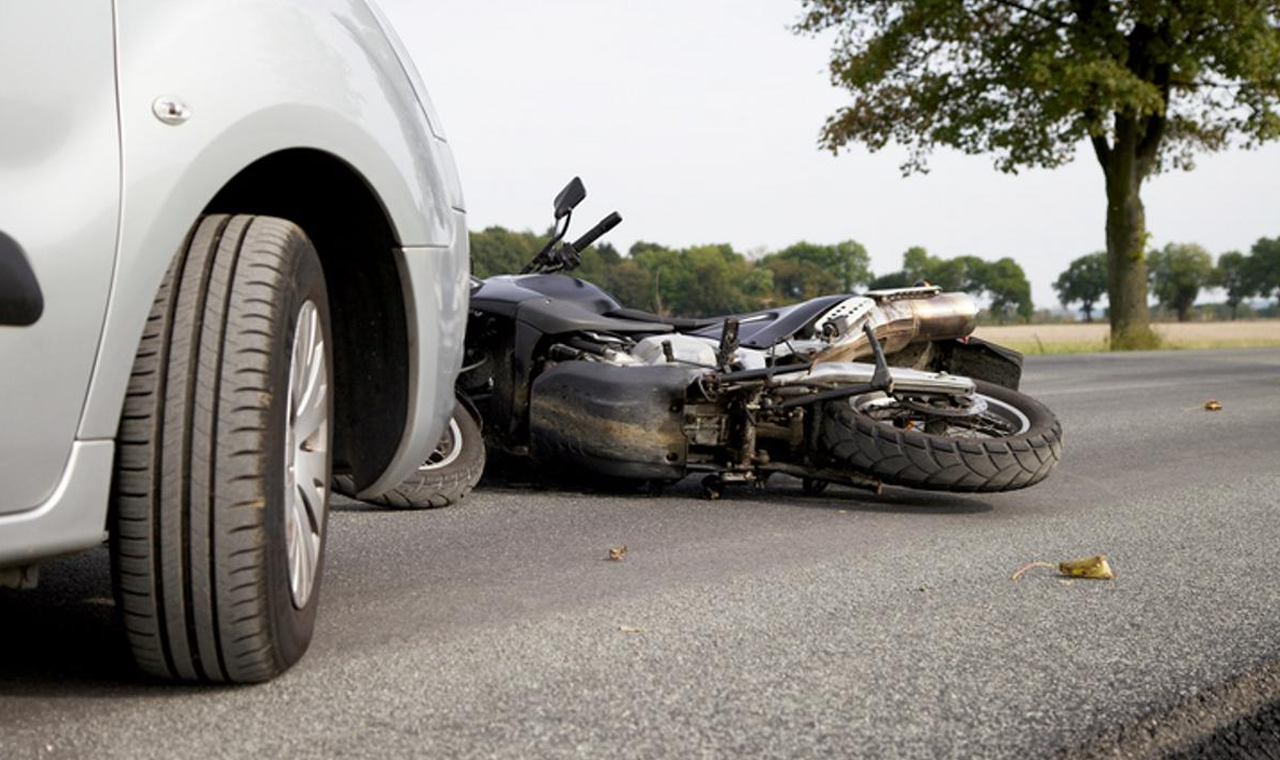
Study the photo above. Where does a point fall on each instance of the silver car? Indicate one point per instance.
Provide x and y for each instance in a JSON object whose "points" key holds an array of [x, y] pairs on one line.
{"points": [[233, 263]]}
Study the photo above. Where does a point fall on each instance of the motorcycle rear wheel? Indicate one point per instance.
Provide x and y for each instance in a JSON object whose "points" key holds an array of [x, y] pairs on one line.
{"points": [[1016, 442]]}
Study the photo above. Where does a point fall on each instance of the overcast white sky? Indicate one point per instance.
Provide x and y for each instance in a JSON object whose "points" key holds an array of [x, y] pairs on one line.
{"points": [[698, 121]]}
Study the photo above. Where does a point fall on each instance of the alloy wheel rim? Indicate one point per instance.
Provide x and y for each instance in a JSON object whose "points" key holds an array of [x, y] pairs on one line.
{"points": [[987, 418], [447, 451], [306, 453]]}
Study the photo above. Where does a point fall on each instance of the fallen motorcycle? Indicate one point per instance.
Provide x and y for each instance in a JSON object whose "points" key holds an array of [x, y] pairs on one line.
{"points": [[886, 387]]}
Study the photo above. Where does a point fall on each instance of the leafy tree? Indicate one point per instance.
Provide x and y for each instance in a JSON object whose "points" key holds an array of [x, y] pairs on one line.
{"points": [[497, 250], [1178, 272], [918, 265], [1144, 83], [797, 279], [663, 265], [1264, 267], [962, 273], [1232, 276], [1084, 281], [846, 264], [630, 283], [888, 281], [1007, 286], [702, 280], [616, 274], [1003, 282]]}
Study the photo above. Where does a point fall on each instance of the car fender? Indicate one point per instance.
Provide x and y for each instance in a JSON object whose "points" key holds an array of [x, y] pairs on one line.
{"points": [[253, 78]]}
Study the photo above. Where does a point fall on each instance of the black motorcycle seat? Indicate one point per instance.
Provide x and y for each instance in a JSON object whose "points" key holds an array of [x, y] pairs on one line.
{"points": [[679, 323]]}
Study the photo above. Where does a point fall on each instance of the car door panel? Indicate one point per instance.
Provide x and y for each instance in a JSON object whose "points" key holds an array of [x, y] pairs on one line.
{"points": [[59, 205]]}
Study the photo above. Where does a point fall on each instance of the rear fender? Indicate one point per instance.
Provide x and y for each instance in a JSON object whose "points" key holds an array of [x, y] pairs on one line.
{"points": [[978, 359]]}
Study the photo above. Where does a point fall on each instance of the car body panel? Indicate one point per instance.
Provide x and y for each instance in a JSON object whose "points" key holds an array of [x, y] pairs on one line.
{"points": [[68, 520], [256, 77], [59, 200]]}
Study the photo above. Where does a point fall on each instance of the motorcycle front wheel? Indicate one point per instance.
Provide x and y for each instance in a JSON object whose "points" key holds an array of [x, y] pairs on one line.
{"points": [[446, 476], [1004, 442]]}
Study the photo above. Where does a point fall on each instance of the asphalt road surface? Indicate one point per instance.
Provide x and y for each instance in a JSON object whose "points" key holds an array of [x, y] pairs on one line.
{"points": [[764, 624]]}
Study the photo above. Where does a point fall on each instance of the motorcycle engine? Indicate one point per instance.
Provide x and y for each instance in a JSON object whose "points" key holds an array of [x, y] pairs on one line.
{"points": [[684, 348]]}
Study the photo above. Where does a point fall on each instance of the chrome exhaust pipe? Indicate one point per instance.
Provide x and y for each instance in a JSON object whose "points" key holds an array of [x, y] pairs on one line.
{"points": [[897, 323]]}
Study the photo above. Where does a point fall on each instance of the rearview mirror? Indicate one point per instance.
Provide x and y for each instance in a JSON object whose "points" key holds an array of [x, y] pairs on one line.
{"points": [[570, 196]]}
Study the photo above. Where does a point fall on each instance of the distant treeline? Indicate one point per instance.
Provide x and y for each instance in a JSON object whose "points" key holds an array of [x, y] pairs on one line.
{"points": [[1177, 273], [715, 279]]}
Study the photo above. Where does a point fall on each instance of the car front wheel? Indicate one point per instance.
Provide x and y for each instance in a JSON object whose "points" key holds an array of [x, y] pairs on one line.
{"points": [[222, 476]]}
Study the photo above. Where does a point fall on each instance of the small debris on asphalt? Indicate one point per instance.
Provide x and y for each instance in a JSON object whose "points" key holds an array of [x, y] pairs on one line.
{"points": [[1018, 573], [1095, 567], [630, 629], [842, 511], [617, 553], [1213, 405]]}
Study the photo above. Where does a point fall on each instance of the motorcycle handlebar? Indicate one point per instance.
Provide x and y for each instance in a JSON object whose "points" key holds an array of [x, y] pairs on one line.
{"points": [[593, 234]]}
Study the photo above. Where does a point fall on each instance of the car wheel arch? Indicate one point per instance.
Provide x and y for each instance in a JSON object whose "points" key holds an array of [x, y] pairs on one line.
{"points": [[356, 242]]}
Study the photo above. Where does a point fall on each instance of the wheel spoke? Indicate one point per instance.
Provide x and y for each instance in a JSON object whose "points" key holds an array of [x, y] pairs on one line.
{"points": [[306, 453], [996, 420], [302, 564], [312, 410]]}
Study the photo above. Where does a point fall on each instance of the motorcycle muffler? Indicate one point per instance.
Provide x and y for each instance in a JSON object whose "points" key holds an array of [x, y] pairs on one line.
{"points": [[896, 321]]}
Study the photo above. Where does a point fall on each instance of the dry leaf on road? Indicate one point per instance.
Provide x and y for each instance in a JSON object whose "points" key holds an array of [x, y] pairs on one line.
{"points": [[617, 552], [1213, 405], [1095, 567]]}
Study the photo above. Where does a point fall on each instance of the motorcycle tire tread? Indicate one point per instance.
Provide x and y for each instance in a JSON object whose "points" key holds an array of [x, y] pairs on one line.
{"points": [[931, 462], [433, 489]]}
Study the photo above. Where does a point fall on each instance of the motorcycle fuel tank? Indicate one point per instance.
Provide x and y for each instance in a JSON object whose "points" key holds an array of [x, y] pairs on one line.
{"points": [[502, 294]]}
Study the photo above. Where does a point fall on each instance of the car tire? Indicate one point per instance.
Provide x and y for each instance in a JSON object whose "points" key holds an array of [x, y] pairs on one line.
{"points": [[220, 497]]}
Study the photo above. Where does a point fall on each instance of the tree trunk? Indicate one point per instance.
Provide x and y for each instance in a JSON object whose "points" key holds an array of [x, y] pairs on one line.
{"points": [[1184, 313], [1088, 312], [1126, 243], [1235, 307]]}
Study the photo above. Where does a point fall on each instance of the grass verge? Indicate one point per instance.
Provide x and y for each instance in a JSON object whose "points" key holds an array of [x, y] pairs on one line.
{"points": [[1093, 338], [1053, 348]]}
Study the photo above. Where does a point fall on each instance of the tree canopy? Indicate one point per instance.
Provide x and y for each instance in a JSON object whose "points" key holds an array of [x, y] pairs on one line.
{"points": [[1264, 267], [1145, 83], [1003, 282], [1232, 275], [806, 270], [1084, 282], [1178, 272]]}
